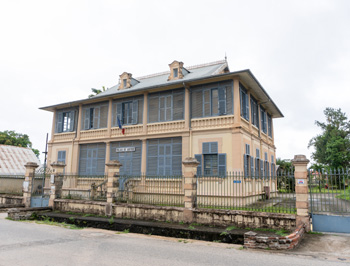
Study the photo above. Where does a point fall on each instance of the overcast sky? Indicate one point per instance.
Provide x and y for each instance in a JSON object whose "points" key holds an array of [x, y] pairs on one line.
{"points": [[56, 51]]}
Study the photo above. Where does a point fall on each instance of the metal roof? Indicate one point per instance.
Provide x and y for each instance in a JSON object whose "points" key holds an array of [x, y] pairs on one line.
{"points": [[13, 159], [196, 74]]}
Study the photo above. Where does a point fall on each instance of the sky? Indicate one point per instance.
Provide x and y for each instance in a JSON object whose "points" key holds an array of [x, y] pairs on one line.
{"points": [[56, 51]]}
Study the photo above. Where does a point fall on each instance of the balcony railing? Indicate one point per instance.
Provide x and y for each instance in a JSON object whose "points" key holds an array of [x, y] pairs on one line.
{"points": [[64, 136], [93, 134], [212, 122], [166, 127], [131, 130]]}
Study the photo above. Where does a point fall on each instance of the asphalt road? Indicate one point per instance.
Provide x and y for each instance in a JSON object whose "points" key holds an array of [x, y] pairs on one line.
{"points": [[24, 243]]}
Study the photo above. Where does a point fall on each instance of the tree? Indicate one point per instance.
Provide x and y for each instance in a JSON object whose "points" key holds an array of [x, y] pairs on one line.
{"points": [[17, 139], [332, 146], [96, 91], [284, 165]]}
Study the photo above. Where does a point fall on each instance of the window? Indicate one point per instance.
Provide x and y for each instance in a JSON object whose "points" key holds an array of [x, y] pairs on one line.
{"points": [[254, 112], [212, 100], [164, 156], [263, 120], [92, 159], [95, 117], [128, 111], [211, 163], [273, 166], [124, 83], [166, 106], [244, 102], [61, 157], [269, 125], [175, 72], [267, 166], [258, 164], [130, 160], [65, 121], [248, 162]]}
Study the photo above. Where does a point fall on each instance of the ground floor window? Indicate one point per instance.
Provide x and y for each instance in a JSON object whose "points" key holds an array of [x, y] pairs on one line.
{"points": [[211, 163], [92, 159], [164, 156], [128, 153]]}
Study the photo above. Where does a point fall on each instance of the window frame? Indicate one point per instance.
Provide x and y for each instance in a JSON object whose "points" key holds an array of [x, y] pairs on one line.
{"points": [[63, 126]]}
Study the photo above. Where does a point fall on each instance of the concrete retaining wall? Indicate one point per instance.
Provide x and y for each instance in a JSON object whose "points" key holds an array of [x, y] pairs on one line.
{"points": [[241, 219], [10, 199]]}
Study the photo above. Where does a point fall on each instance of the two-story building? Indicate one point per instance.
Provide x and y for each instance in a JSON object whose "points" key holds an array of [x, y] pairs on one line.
{"points": [[150, 124]]}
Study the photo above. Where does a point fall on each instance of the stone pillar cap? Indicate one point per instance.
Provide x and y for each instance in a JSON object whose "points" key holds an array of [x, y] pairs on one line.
{"points": [[190, 161], [300, 159], [31, 164], [114, 163]]}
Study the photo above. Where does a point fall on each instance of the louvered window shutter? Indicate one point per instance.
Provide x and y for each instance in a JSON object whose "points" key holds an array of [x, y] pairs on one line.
{"points": [[199, 167], [86, 124], [222, 164], [96, 123], [178, 103], [261, 168], [206, 103], [59, 124], [119, 113], [135, 105], [197, 104], [206, 148], [245, 165], [251, 165], [222, 101], [213, 147], [72, 121]]}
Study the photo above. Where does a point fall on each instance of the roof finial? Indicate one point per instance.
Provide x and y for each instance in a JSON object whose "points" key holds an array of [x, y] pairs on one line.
{"points": [[225, 57]]}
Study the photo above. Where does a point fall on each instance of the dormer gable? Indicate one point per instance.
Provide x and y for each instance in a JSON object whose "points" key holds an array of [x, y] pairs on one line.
{"points": [[126, 81], [177, 71]]}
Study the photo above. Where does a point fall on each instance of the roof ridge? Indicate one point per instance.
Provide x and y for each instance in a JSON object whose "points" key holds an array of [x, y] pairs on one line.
{"points": [[206, 64], [188, 68]]}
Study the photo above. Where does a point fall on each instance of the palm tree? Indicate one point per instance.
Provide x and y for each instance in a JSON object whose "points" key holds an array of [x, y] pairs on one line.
{"points": [[96, 91]]}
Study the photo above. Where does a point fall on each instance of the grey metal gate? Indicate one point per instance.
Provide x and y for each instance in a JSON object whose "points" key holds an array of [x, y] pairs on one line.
{"points": [[39, 197], [330, 200]]}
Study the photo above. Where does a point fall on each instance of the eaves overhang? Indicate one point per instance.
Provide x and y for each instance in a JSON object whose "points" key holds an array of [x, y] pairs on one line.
{"points": [[245, 76]]}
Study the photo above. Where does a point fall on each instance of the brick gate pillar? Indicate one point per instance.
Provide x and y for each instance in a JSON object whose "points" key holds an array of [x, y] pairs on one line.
{"points": [[56, 182], [190, 187], [113, 168], [301, 190], [28, 183]]}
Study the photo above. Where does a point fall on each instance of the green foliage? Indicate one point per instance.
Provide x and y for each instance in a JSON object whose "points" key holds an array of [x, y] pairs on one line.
{"points": [[332, 146], [96, 91], [284, 165], [12, 138]]}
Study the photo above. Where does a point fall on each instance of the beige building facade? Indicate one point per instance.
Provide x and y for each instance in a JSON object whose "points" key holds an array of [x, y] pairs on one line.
{"points": [[151, 124]]}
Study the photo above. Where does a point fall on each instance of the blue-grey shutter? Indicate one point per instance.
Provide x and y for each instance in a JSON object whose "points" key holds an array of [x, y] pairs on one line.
{"points": [[213, 147], [252, 166], [119, 113], [256, 167], [197, 103], [222, 101], [72, 120], [261, 168], [97, 117], [61, 156], [59, 122], [247, 107], [178, 105], [135, 105], [199, 167], [245, 165], [206, 147], [206, 103], [87, 118], [222, 164]]}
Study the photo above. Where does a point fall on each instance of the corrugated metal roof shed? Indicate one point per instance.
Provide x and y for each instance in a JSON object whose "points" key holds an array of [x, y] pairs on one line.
{"points": [[13, 159]]}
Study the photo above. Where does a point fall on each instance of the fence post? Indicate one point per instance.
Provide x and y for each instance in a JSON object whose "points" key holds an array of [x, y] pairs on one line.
{"points": [[28, 183], [56, 182], [113, 168], [301, 190], [190, 187]]}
